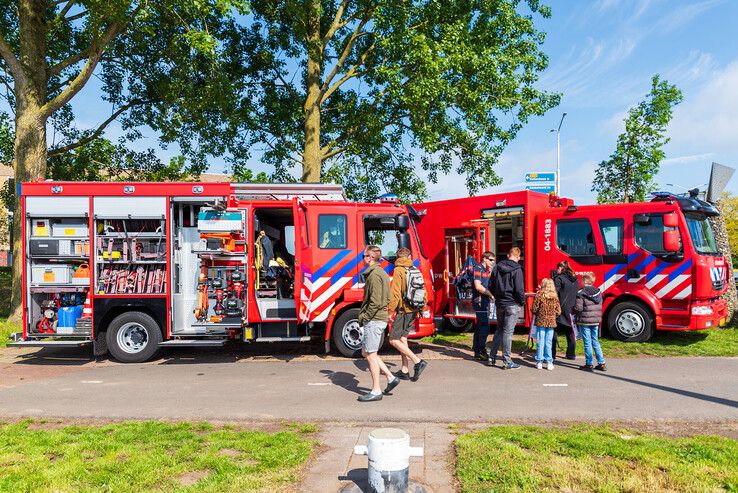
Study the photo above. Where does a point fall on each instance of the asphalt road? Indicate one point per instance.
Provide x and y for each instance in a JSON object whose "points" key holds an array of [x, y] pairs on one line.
{"points": [[451, 389]]}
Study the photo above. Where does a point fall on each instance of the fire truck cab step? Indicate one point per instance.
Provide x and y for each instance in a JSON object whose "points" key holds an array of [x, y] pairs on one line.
{"points": [[283, 339], [193, 343], [49, 343]]}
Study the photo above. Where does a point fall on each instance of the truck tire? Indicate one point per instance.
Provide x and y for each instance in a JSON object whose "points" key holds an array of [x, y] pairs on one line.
{"points": [[630, 321], [133, 337], [348, 334], [457, 325]]}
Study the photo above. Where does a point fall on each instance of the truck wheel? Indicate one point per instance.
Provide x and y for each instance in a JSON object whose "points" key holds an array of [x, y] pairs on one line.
{"points": [[133, 337], [457, 325], [348, 334], [630, 321]]}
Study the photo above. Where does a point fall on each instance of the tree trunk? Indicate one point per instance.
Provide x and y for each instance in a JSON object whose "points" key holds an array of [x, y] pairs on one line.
{"points": [[30, 122], [312, 158]]}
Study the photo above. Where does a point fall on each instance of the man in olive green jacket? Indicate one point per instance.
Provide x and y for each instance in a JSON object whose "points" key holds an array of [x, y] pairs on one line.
{"points": [[373, 318], [402, 317]]}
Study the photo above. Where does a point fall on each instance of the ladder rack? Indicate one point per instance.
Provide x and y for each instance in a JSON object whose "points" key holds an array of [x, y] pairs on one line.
{"points": [[286, 191]]}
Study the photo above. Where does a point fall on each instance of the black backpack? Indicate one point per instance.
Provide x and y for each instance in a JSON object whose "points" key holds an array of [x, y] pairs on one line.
{"points": [[465, 278]]}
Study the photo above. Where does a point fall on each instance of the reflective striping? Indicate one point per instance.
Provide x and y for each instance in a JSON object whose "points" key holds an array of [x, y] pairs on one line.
{"points": [[644, 263], [607, 284], [672, 285], [679, 270], [657, 270], [684, 293], [328, 265], [656, 280]]}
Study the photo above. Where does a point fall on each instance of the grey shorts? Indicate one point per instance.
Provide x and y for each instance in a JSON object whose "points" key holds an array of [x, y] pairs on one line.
{"points": [[373, 331], [403, 324]]}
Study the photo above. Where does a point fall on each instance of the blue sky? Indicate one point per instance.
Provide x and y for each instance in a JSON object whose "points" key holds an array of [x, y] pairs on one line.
{"points": [[602, 56]]}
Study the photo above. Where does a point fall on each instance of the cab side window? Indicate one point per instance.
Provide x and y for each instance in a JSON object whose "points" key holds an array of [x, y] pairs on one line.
{"points": [[574, 237], [612, 235], [332, 231], [649, 234]]}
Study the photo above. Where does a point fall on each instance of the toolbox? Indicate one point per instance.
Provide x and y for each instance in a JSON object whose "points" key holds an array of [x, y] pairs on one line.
{"points": [[67, 227], [51, 274], [44, 247]]}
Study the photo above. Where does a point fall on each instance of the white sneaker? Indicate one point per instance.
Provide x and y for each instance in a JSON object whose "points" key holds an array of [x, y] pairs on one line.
{"points": [[539, 365], [550, 365]]}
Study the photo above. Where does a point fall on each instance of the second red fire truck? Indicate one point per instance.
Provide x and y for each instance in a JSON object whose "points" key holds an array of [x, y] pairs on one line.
{"points": [[656, 262]]}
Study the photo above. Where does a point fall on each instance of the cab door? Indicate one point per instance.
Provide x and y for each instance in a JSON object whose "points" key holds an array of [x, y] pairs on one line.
{"points": [[303, 259]]}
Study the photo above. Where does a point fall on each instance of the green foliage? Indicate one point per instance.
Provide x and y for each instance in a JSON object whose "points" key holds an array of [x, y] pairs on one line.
{"points": [[148, 456], [728, 205], [454, 80], [6, 139], [627, 176], [593, 458]]}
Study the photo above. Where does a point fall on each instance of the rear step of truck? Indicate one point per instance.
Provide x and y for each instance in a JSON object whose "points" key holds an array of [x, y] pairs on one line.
{"points": [[283, 339], [49, 343], [193, 343]]}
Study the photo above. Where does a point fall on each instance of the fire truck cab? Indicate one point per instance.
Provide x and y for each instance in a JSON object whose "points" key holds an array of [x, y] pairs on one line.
{"points": [[655, 262], [132, 267]]}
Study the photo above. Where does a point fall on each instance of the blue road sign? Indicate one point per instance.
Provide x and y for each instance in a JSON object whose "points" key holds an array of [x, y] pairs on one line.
{"points": [[541, 188], [540, 177]]}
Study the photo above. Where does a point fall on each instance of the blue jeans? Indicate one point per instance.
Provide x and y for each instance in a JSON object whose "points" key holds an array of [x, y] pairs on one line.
{"points": [[481, 326], [589, 336], [544, 342], [507, 317]]}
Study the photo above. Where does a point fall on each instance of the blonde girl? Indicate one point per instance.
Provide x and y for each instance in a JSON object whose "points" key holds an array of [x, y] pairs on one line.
{"points": [[546, 308]]}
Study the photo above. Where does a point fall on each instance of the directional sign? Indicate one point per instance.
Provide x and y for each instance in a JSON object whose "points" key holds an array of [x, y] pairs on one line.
{"points": [[541, 188], [549, 176]]}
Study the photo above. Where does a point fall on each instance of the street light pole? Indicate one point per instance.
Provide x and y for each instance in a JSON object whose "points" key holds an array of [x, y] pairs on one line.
{"points": [[558, 155]]}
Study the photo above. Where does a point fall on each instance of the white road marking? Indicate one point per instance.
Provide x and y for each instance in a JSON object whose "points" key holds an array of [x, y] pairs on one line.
{"points": [[91, 381], [319, 383], [555, 384]]}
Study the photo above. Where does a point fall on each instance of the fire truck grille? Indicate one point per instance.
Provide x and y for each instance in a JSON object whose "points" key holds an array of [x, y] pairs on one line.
{"points": [[718, 285]]}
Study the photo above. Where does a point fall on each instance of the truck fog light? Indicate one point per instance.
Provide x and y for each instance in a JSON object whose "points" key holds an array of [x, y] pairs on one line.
{"points": [[701, 310]]}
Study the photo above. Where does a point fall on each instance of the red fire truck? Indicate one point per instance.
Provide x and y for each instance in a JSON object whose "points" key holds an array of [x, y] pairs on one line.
{"points": [[132, 267], [655, 262]]}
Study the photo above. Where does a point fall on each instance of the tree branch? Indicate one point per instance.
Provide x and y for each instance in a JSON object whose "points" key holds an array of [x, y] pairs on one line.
{"points": [[337, 150], [346, 52], [98, 131], [351, 73], [63, 12], [14, 65], [96, 50], [68, 62], [336, 24]]}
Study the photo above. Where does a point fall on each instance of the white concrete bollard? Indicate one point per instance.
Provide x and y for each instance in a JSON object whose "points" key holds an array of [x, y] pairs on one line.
{"points": [[389, 454]]}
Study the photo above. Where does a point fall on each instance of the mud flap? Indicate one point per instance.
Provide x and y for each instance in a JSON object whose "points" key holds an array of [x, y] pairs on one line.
{"points": [[99, 345]]}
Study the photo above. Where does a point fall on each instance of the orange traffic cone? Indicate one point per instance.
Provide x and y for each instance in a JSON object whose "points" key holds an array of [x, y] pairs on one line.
{"points": [[87, 310]]}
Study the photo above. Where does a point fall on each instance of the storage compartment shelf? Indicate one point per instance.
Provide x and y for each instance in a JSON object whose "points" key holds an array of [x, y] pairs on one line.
{"points": [[126, 262], [61, 257], [58, 237], [59, 288], [132, 236]]}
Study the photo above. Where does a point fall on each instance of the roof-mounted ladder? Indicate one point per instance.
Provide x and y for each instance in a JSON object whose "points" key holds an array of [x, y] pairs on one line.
{"points": [[286, 191]]}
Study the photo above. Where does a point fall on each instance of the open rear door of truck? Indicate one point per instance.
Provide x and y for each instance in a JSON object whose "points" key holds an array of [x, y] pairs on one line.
{"points": [[303, 272]]}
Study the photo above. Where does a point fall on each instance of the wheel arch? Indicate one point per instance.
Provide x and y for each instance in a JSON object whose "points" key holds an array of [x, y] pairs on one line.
{"points": [[336, 312], [107, 309], [616, 300]]}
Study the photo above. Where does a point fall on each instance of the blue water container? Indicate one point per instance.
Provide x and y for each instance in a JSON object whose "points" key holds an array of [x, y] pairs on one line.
{"points": [[68, 315]]}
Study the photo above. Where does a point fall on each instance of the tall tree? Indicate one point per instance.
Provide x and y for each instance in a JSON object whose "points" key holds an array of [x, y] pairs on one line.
{"points": [[628, 174], [351, 89], [158, 61]]}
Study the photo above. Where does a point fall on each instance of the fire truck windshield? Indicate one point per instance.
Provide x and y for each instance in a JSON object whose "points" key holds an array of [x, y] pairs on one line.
{"points": [[700, 230]]}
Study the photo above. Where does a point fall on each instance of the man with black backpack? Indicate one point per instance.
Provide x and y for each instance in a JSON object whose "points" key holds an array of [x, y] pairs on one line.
{"points": [[509, 291], [407, 298]]}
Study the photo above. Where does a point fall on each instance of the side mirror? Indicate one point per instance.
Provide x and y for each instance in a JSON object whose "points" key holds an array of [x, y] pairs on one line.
{"points": [[403, 241], [671, 220], [403, 223], [671, 241], [642, 219]]}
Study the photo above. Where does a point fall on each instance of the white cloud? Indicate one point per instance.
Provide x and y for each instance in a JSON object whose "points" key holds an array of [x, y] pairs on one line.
{"points": [[677, 16], [707, 121], [695, 67], [692, 158]]}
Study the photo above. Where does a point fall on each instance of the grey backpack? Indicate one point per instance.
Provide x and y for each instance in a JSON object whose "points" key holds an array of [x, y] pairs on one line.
{"points": [[414, 288]]}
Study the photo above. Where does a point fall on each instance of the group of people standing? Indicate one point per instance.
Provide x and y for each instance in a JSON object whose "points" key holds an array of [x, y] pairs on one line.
{"points": [[560, 309]]}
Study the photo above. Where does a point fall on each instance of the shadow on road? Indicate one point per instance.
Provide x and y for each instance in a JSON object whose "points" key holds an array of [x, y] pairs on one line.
{"points": [[56, 357], [346, 380]]}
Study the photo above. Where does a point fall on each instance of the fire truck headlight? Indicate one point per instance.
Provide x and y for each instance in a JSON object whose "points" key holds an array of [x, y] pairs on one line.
{"points": [[426, 314], [701, 310]]}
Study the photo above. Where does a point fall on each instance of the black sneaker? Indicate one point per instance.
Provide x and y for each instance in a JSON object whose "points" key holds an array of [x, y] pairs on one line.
{"points": [[402, 375], [391, 385], [369, 397], [419, 367], [511, 366], [481, 356], [601, 367], [491, 362]]}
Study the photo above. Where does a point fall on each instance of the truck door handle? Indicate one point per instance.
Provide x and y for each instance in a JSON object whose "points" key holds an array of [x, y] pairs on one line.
{"points": [[632, 274]]}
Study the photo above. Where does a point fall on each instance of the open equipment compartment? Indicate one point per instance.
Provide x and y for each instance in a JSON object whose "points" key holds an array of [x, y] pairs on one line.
{"points": [[57, 266]]}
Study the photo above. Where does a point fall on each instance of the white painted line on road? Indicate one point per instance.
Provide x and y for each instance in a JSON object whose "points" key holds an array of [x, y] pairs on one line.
{"points": [[555, 384], [91, 381], [319, 383]]}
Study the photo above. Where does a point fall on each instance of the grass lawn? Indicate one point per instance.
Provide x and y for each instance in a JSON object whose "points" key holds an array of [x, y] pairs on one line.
{"points": [[150, 456], [593, 458], [6, 327], [711, 342]]}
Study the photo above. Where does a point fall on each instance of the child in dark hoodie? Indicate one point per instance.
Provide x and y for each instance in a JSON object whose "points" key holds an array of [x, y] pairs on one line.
{"points": [[588, 312]]}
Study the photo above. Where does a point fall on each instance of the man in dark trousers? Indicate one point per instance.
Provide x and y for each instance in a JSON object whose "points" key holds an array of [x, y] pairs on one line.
{"points": [[567, 287], [482, 297], [509, 293]]}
